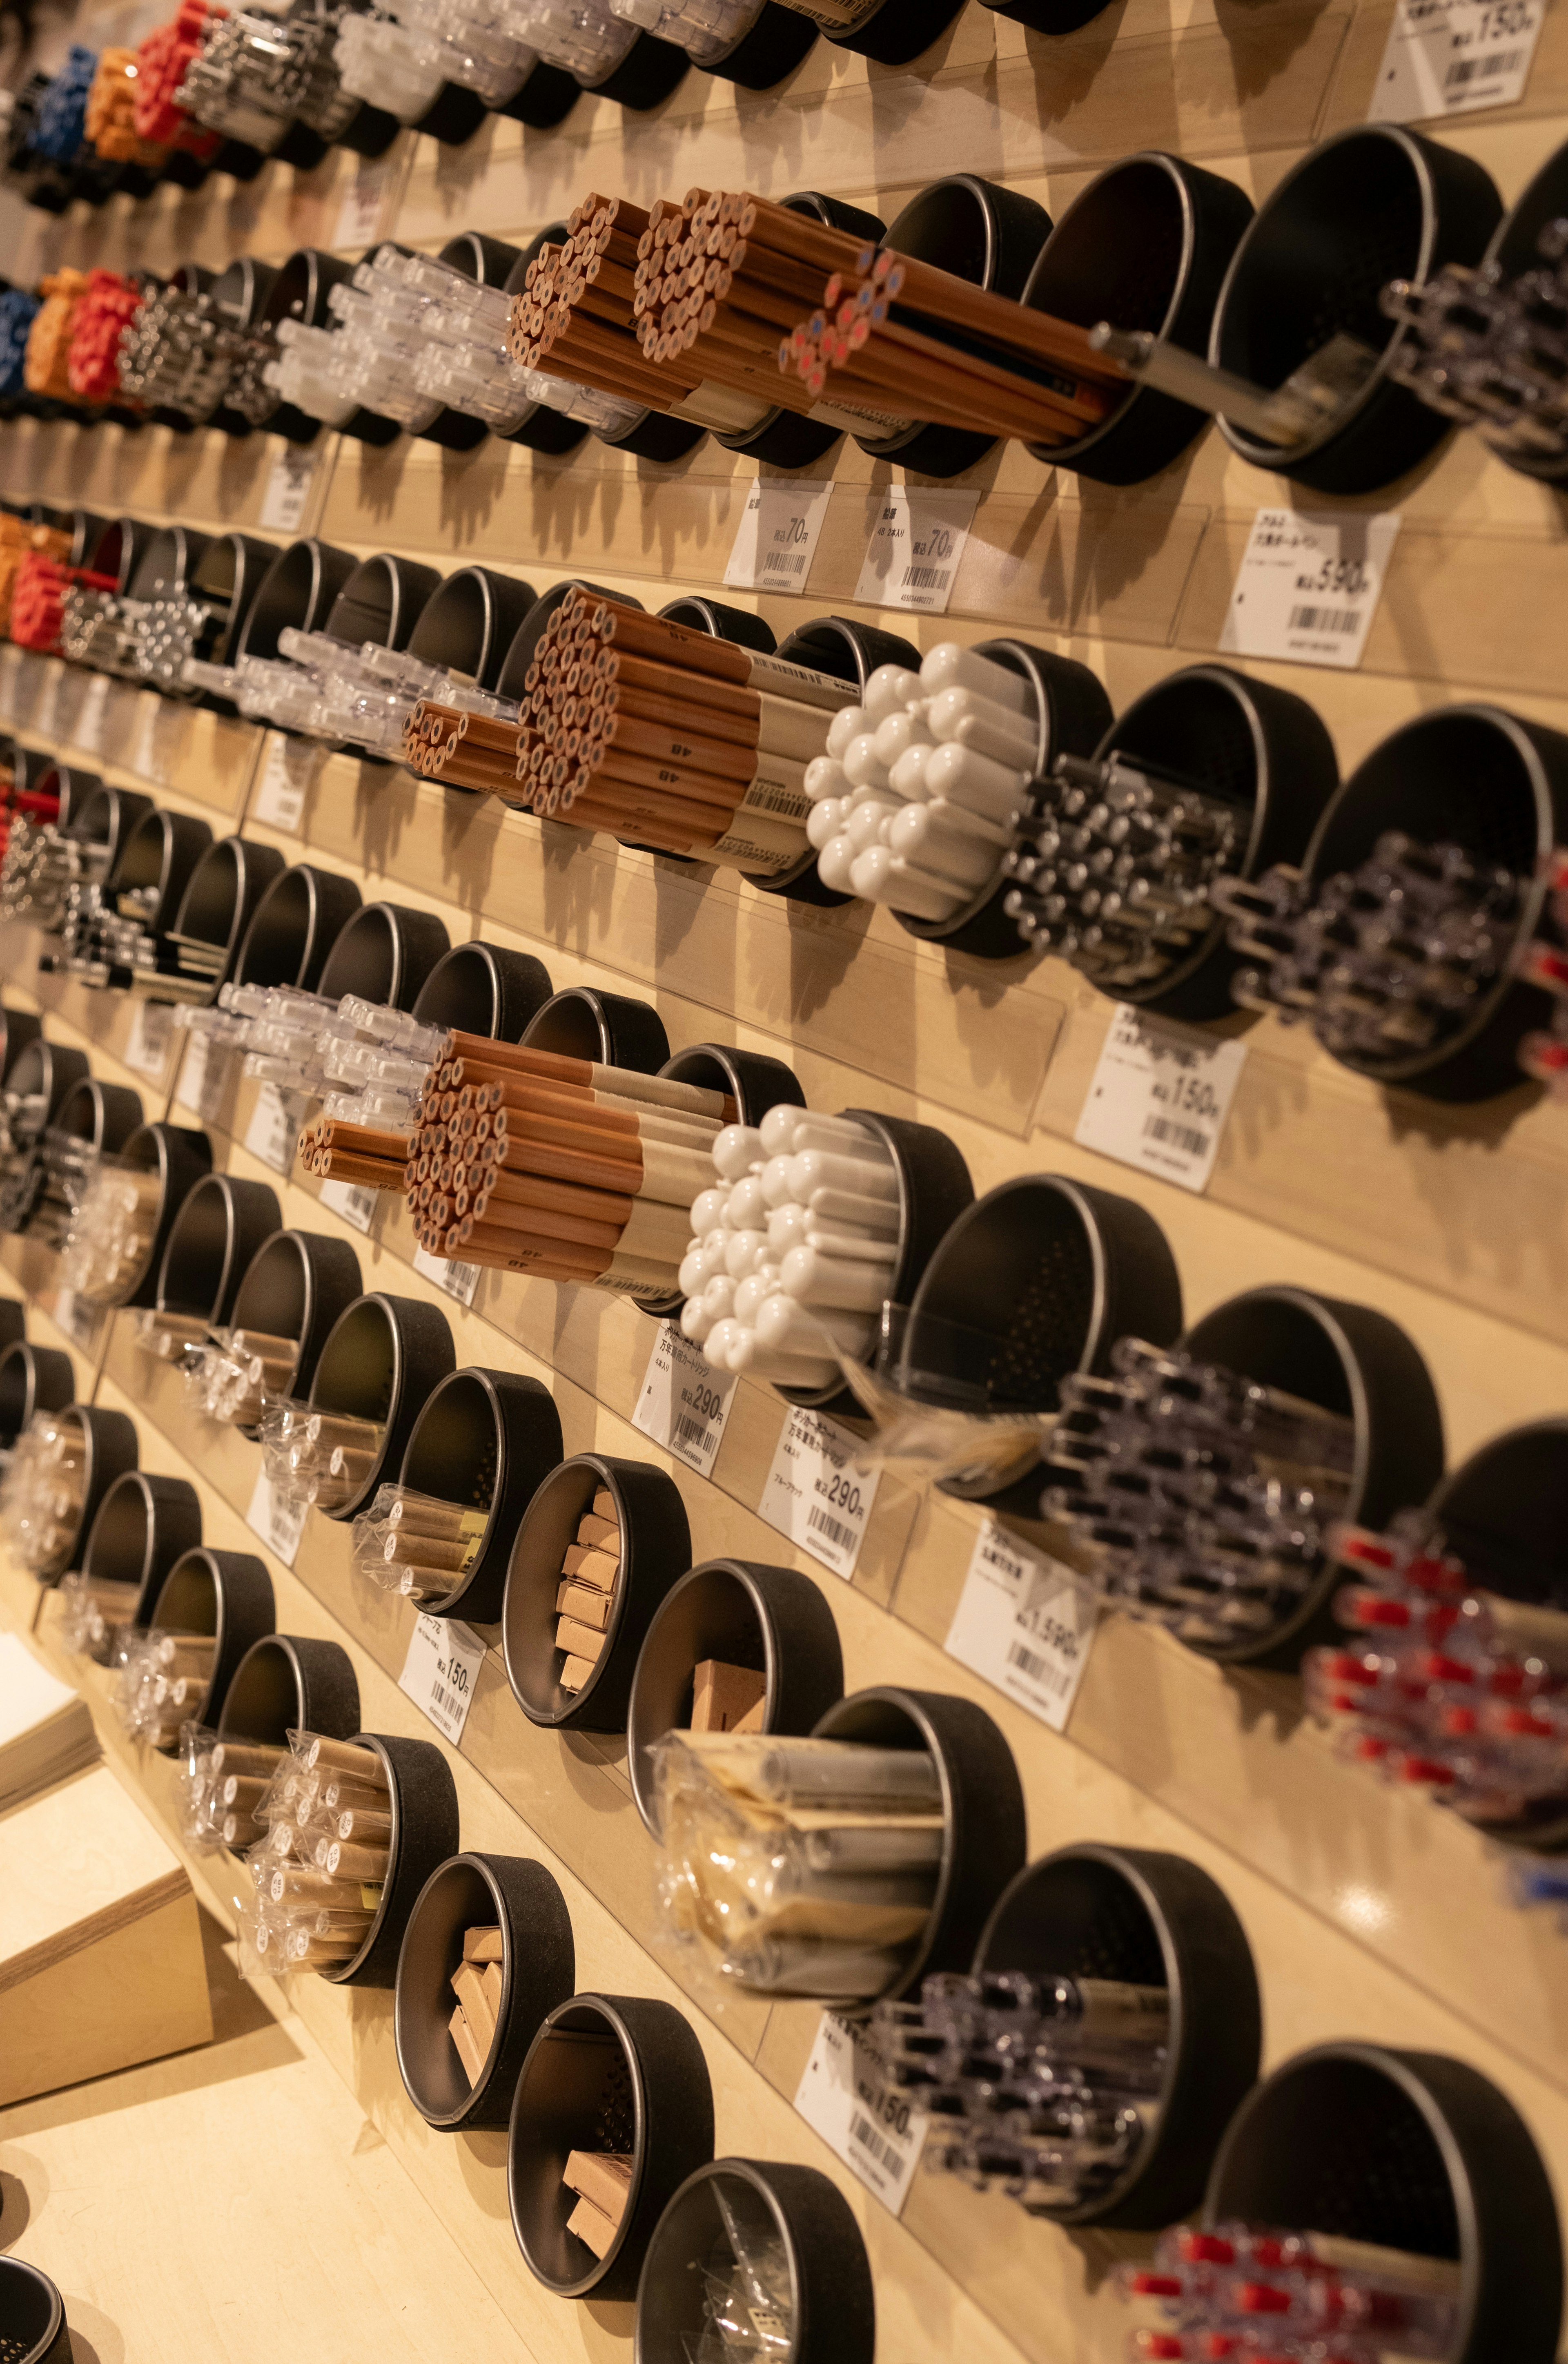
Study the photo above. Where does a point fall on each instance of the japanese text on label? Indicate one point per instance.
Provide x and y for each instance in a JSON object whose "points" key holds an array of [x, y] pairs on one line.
{"points": [[860, 2113], [1308, 586], [441, 1670], [1160, 1096], [1454, 57], [1024, 1625], [917, 539], [776, 539], [815, 1495], [683, 1402], [280, 1524]]}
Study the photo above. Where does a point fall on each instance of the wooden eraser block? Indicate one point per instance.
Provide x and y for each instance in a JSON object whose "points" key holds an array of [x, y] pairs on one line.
{"points": [[586, 1606], [598, 1569], [470, 1990], [483, 1945], [592, 2224], [603, 1505], [722, 1695], [578, 1641], [602, 2176], [490, 1979], [754, 1718], [576, 1673], [468, 2052], [592, 1531]]}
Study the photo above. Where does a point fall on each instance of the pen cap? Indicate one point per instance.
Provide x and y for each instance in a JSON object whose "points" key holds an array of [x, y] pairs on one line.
{"points": [[470, 620], [1150, 1919], [383, 955], [487, 261], [1368, 204], [610, 1030], [32, 2315], [606, 2073], [224, 1593], [486, 1441], [654, 1546], [983, 1837], [538, 1971], [1038, 1278], [295, 1286], [480, 989], [158, 855], [144, 1524], [511, 680], [295, 926], [211, 1243], [851, 652], [298, 588], [221, 895], [291, 1682], [1498, 785], [108, 1449], [181, 1158], [1407, 2150], [32, 1378], [382, 601], [1514, 249], [541, 428], [753, 1081], [422, 1799], [1350, 1360], [1071, 715], [832, 2303], [383, 1356], [18, 1028], [784, 439], [979, 232], [774, 1621]]}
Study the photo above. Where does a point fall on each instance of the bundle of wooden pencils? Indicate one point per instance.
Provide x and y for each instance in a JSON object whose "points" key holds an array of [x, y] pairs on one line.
{"points": [[370, 1155], [655, 733], [895, 332], [559, 1167], [574, 316]]}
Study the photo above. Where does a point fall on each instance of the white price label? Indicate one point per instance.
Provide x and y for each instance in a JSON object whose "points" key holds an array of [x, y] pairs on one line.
{"points": [[286, 775], [917, 542], [280, 1524], [860, 2114], [1023, 1623], [352, 1201], [685, 1402], [1308, 586], [273, 1129], [776, 539], [203, 1074], [815, 1495], [359, 216], [144, 738], [152, 1032], [441, 1670], [1454, 57], [1159, 1097], [459, 1280], [288, 487], [78, 1319]]}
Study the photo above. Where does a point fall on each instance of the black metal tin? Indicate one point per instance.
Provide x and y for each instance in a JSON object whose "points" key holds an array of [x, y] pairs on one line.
{"points": [[655, 435], [783, 439], [108, 816], [384, 953], [470, 621], [1371, 204], [746, 1614], [1413, 2151], [295, 926], [558, 2106], [453, 116], [655, 1551], [538, 1971], [110, 1448], [161, 852], [383, 1358], [486, 1441], [144, 1524], [649, 71], [224, 1593], [772, 45], [32, 2315], [167, 565], [1514, 249], [291, 1682], [222, 893], [233, 570], [547, 98], [181, 1158], [1094, 1911], [480, 989], [18, 1028], [541, 429], [295, 1286], [32, 1378], [851, 652], [103, 1115], [298, 588], [832, 2300], [485, 260], [370, 132], [609, 1030], [241, 293], [119, 548], [13, 1322], [212, 1243], [298, 290], [896, 36], [511, 680], [382, 601], [984, 1840], [422, 1800]]}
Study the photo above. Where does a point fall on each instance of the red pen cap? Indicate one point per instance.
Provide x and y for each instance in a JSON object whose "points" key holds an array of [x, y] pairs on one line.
{"points": [[1157, 2344], [1405, 1765], [1359, 1548], [1206, 2249], [1143, 2283], [1260, 2298]]}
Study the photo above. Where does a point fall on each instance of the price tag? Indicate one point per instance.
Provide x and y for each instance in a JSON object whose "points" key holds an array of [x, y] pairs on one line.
{"points": [[1308, 586], [814, 1494], [1024, 1625], [286, 776], [352, 1201], [273, 1129], [459, 1280], [441, 1670], [359, 216], [685, 1402], [78, 1319], [776, 539], [861, 2115], [1159, 1097], [203, 1074], [1454, 57], [288, 487], [280, 1524], [917, 542], [152, 1032], [144, 739]]}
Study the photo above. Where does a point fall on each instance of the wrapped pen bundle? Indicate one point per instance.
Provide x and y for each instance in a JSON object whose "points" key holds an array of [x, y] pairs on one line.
{"points": [[237, 1374], [98, 629], [108, 939], [1485, 346], [38, 599], [1201, 1499], [1264, 2295], [324, 688], [1383, 961], [323, 1821], [111, 113], [44, 867], [112, 1233], [105, 308], [1545, 963], [401, 56], [1446, 1686], [797, 1867], [426, 337], [793, 1248], [1043, 2087], [66, 1172], [163, 1681], [365, 1063], [418, 1544], [49, 339], [24, 1115], [317, 1457], [258, 73], [643, 728], [559, 1167], [178, 354], [94, 1612], [44, 1491]]}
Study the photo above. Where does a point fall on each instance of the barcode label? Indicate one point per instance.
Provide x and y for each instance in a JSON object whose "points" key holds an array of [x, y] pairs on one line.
{"points": [[459, 1280], [1182, 1136], [928, 578], [1469, 70], [696, 1434], [1455, 57], [776, 539], [914, 546], [1325, 620], [1023, 1623], [352, 1201], [815, 1494], [441, 1670], [280, 1524], [864, 2119], [683, 1402], [772, 795], [1159, 1096], [846, 1538], [784, 561]]}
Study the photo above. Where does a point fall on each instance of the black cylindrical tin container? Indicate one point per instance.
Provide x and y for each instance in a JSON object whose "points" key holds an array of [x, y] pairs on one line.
{"points": [[538, 1971], [486, 1441], [161, 852], [383, 1358], [832, 2302], [298, 588], [232, 571], [224, 1593], [181, 1159], [470, 621], [291, 1682], [221, 895], [422, 1800], [295, 1286], [294, 927], [211, 1244], [32, 1378], [382, 601], [18, 1028], [32, 2315], [144, 1524], [610, 1030], [109, 1449], [480, 989], [383, 953]]}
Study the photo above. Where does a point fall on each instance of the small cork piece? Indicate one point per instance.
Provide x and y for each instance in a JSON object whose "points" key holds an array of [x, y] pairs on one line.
{"points": [[468, 2051], [592, 2224], [588, 1607], [490, 1979], [727, 1698], [596, 1567], [603, 1505], [576, 1673], [591, 1530], [483, 1945], [470, 1992], [578, 1641], [602, 2176]]}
